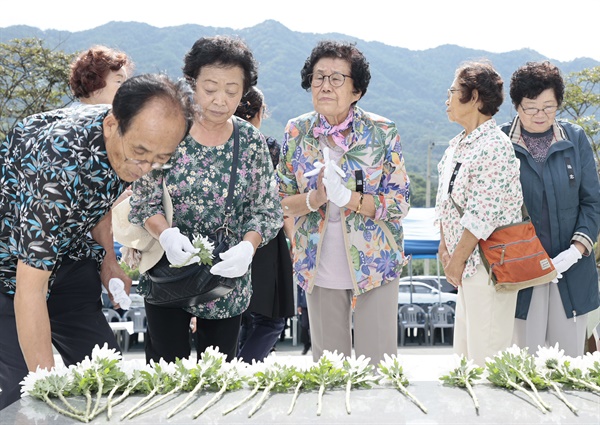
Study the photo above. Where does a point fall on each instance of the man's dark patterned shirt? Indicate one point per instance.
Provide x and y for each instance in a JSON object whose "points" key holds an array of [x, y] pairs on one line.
{"points": [[56, 183]]}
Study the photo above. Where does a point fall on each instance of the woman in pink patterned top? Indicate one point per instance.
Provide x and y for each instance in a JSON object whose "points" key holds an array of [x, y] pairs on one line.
{"points": [[480, 173]]}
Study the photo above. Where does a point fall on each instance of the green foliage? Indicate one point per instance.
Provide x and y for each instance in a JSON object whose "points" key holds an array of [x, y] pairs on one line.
{"points": [[407, 86], [133, 274], [33, 78], [465, 373]]}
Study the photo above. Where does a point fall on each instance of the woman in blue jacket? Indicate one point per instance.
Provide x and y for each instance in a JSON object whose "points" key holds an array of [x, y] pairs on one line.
{"points": [[562, 195]]}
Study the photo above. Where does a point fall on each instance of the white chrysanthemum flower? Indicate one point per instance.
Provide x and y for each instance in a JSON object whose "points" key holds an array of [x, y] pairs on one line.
{"points": [[591, 361], [357, 365], [336, 359], [28, 384], [105, 353], [82, 366], [390, 361], [579, 362], [207, 244], [164, 366], [515, 350], [129, 367], [189, 363], [549, 357]]}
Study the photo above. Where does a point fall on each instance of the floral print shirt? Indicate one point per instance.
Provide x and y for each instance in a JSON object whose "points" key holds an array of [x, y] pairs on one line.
{"points": [[374, 247], [56, 183], [487, 187], [198, 183]]}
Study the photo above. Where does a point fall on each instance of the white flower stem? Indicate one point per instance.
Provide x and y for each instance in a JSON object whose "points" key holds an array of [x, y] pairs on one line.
{"points": [[533, 389], [561, 396], [69, 405], [295, 397], [62, 411], [320, 399], [244, 400], [473, 396], [262, 399], [88, 403], [98, 396], [407, 393], [588, 385], [140, 403], [531, 396], [348, 388], [212, 401], [109, 398], [118, 400], [181, 405], [154, 402]]}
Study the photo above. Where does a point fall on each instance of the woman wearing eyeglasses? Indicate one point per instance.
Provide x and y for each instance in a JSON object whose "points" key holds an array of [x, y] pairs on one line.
{"points": [[480, 174], [220, 69], [342, 177], [562, 195]]}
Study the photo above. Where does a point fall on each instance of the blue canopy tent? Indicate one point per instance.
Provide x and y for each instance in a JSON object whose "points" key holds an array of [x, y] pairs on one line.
{"points": [[421, 238]]}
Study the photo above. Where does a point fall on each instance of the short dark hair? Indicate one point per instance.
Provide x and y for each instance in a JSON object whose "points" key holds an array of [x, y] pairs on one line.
{"points": [[90, 68], [533, 78], [359, 67], [223, 51], [135, 93], [250, 104], [481, 76]]}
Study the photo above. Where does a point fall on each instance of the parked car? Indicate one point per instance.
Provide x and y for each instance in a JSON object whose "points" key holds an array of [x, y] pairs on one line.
{"points": [[432, 280], [423, 294]]}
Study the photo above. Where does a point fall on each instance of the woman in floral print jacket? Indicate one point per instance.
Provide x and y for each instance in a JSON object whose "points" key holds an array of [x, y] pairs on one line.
{"points": [[479, 171], [342, 177]]}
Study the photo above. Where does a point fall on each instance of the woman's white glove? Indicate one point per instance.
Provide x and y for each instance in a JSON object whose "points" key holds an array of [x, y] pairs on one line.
{"points": [[563, 261], [236, 260], [336, 191], [117, 290], [178, 247]]}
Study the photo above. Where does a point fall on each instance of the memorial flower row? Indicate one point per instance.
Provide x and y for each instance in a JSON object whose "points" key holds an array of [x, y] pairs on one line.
{"points": [[105, 380]]}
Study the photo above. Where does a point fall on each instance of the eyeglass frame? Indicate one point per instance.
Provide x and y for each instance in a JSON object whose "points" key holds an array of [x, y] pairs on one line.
{"points": [[142, 162], [538, 110], [310, 78]]}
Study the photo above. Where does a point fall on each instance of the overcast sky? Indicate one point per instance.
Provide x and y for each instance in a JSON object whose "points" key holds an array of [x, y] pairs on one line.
{"points": [[558, 29]]}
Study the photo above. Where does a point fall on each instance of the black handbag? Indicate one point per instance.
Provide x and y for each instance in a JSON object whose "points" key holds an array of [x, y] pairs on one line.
{"points": [[194, 284]]}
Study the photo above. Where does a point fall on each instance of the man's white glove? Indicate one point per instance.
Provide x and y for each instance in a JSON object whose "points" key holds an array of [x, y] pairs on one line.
{"points": [[236, 260], [332, 179], [117, 290], [563, 261], [178, 247]]}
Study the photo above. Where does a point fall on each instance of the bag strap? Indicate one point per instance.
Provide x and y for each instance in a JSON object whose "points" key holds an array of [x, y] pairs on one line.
{"points": [[233, 177], [461, 212]]}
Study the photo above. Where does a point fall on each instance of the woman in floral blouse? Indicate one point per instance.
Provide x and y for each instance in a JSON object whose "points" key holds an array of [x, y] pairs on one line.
{"points": [[480, 173], [342, 177], [221, 69]]}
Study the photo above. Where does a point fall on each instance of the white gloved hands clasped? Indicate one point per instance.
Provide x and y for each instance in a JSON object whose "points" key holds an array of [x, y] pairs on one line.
{"points": [[318, 164], [178, 247], [117, 290], [236, 260], [563, 261], [334, 185]]}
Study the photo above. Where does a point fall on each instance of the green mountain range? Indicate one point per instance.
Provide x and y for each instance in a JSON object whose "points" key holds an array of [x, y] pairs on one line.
{"points": [[407, 86]]}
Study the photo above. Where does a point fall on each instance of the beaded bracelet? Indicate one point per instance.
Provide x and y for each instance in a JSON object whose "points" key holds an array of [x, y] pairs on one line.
{"points": [[310, 208]]}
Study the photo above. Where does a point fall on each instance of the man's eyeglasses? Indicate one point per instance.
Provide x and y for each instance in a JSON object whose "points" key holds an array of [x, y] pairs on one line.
{"points": [[450, 91], [336, 79], [142, 162], [534, 111]]}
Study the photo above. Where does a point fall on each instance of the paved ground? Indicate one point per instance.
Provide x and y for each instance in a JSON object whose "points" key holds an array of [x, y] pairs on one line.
{"points": [[286, 347]]}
